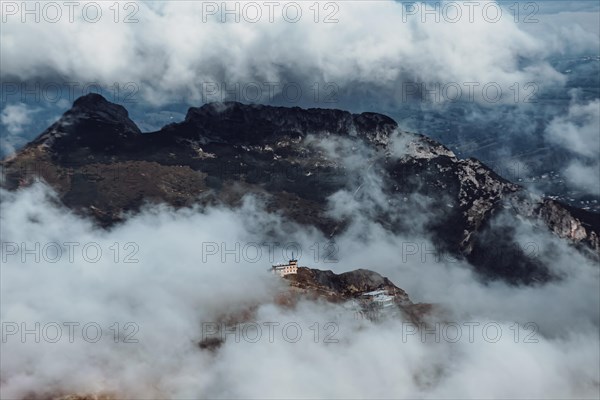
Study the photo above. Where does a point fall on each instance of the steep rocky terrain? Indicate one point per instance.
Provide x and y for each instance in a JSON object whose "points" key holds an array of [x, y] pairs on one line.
{"points": [[345, 286], [100, 164], [348, 286]]}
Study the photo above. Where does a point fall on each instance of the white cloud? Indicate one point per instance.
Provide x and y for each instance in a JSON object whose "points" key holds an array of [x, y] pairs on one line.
{"points": [[14, 118], [586, 177], [170, 52], [578, 132]]}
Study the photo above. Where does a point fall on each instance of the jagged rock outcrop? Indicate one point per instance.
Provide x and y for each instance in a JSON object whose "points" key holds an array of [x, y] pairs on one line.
{"points": [[344, 286], [578, 226], [349, 286], [237, 123], [92, 124], [100, 164]]}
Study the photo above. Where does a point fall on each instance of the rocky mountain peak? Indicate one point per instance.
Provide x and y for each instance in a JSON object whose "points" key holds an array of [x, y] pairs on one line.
{"points": [[92, 123], [96, 102], [346, 285], [95, 106]]}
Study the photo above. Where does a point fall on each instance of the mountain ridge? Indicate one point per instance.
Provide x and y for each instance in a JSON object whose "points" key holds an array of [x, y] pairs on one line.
{"points": [[102, 165]]}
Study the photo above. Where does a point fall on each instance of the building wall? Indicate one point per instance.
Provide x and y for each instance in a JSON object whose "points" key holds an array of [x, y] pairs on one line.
{"points": [[283, 270]]}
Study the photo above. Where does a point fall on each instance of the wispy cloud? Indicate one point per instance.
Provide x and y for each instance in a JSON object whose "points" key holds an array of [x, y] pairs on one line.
{"points": [[578, 133]]}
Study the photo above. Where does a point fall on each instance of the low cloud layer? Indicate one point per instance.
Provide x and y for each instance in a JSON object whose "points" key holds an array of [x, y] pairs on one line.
{"points": [[176, 285]]}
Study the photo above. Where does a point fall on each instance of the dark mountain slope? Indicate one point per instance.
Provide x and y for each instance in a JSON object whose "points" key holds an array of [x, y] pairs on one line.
{"points": [[101, 164]]}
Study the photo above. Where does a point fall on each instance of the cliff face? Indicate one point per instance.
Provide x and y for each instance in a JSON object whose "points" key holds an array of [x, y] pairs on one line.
{"points": [[570, 223], [102, 165], [237, 123]]}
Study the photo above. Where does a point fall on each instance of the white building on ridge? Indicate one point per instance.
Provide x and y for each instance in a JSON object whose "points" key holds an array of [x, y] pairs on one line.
{"points": [[286, 269]]}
